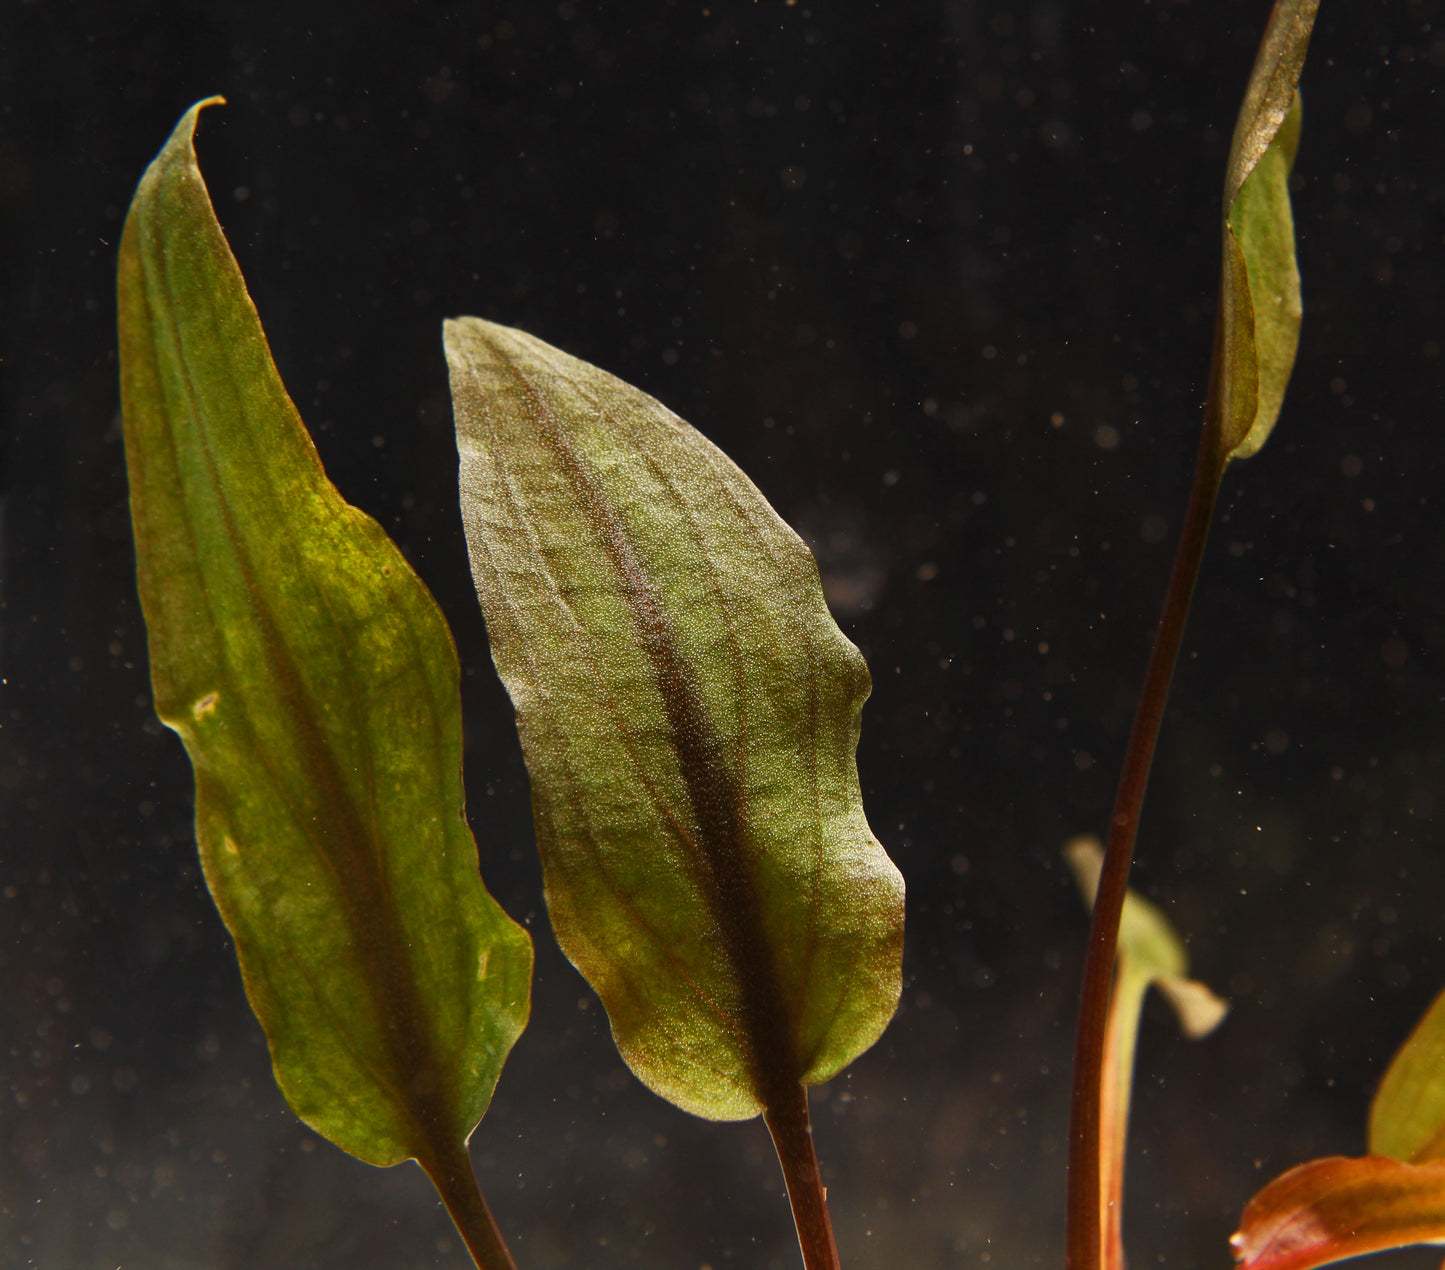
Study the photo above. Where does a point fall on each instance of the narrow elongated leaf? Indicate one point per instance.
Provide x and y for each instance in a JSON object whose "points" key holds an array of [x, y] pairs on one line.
{"points": [[1259, 299], [1333, 1209], [315, 686], [689, 714], [1407, 1116], [1149, 954]]}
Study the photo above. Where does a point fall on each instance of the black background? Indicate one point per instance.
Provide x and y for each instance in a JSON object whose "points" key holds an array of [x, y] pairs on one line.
{"points": [[940, 278]]}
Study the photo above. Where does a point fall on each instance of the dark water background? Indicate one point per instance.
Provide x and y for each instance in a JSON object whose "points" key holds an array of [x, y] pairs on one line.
{"points": [[940, 277]]}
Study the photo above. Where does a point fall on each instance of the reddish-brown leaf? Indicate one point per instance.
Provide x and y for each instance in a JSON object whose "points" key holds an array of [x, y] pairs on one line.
{"points": [[1331, 1209]]}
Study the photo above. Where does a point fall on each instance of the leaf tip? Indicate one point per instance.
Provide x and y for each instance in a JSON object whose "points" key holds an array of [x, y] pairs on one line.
{"points": [[1085, 856], [187, 126], [1197, 1007]]}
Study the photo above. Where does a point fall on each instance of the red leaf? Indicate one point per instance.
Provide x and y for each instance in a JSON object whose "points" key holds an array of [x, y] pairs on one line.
{"points": [[1331, 1209]]}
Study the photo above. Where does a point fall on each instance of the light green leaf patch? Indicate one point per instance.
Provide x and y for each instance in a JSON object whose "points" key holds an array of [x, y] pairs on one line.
{"points": [[689, 714], [1407, 1116]]}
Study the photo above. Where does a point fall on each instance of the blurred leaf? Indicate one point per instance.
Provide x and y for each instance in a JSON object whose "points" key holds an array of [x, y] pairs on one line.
{"points": [[1259, 302], [1148, 953], [315, 686], [1407, 1117], [1148, 946], [1336, 1208], [689, 714]]}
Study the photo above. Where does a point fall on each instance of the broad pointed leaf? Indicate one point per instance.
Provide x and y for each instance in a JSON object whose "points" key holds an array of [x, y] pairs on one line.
{"points": [[689, 714], [1407, 1117], [1259, 301], [315, 686], [1333, 1209]]}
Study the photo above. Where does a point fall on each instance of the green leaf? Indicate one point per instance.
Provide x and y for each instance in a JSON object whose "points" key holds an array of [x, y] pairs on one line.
{"points": [[1259, 301], [689, 714], [315, 686], [1407, 1117]]}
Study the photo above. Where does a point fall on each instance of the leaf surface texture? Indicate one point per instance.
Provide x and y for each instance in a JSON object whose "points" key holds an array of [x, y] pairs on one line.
{"points": [[689, 713], [315, 685]]}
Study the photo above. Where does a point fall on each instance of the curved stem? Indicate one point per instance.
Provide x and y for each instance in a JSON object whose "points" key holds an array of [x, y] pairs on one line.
{"points": [[787, 1121], [451, 1173], [1084, 1247]]}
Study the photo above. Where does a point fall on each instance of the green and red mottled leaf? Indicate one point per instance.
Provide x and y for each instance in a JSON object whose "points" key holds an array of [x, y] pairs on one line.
{"points": [[315, 686], [689, 714]]}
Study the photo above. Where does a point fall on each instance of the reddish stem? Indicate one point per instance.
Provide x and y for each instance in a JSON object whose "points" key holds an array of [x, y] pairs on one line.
{"points": [[451, 1173], [787, 1121], [1084, 1247]]}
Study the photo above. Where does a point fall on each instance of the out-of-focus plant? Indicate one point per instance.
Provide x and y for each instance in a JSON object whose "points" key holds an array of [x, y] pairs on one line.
{"points": [[1149, 955]]}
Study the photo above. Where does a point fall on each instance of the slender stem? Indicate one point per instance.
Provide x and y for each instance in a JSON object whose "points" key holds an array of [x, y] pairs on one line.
{"points": [[787, 1121], [451, 1173], [1084, 1247], [1126, 1003]]}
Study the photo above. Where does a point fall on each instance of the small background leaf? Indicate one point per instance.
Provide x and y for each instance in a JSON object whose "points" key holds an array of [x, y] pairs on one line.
{"points": [[689, 713], [1148, 954], [1407, 1116], [315, 686], [1148, 946]]}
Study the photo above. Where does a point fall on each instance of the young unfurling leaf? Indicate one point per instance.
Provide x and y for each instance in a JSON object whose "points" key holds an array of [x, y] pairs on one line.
{"points": [[1259, 296]]}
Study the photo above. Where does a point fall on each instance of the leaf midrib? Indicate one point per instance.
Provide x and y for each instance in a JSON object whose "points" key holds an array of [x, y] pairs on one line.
{"points": [[713, 794], [352, 854]]}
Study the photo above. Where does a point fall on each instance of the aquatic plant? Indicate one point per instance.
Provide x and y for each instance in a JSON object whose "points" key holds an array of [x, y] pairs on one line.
{"points": [[688, 710]]}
